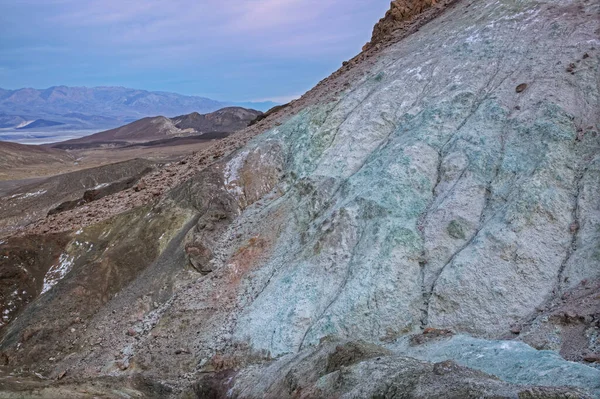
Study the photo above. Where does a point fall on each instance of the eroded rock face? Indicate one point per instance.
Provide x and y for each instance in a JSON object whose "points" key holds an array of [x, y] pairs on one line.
{"points": [[222, 193], [433, 194]]}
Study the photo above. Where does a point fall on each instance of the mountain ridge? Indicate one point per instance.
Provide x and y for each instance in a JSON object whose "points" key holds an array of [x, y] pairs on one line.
{"points": [[224, 120]]}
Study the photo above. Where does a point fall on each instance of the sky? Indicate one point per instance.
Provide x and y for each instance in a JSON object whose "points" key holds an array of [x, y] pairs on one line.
{"points": [[230, 50]]}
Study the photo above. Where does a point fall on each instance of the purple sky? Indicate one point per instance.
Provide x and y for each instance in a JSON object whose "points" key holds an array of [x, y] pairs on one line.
{"points": [[228, 50]]}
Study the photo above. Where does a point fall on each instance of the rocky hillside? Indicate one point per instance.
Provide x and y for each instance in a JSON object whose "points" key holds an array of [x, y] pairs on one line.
{"points": [[425, 223], [226, 120], [35, 199], [14, 156], [400, 15]]}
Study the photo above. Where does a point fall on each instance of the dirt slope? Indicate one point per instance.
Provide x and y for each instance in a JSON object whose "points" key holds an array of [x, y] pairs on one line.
{"points": [[16, 156]]}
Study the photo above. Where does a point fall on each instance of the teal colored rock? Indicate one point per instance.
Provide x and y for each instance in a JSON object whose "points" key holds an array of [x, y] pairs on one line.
{"points": [[511, 361]]}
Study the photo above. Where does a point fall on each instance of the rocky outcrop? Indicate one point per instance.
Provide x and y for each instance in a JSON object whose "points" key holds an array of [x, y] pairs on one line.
{"points": [[223, 193], [359, 370], [101, 191], [401, 12], [30, 202]]}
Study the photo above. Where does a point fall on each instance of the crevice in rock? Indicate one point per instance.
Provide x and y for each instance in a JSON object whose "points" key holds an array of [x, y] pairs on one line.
{"points": [[441, 200], [573, 228], [428, 291], [426, 296], [259, 293], [495, 174], [338, 292], [421, 229]]}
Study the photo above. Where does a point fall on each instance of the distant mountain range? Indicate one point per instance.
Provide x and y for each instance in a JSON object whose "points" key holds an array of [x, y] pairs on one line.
{"points": [[160, 128], [63, 107]]}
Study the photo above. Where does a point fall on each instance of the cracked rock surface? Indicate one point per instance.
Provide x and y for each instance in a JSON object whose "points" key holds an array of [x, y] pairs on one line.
{"points": [[433, 194]]}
